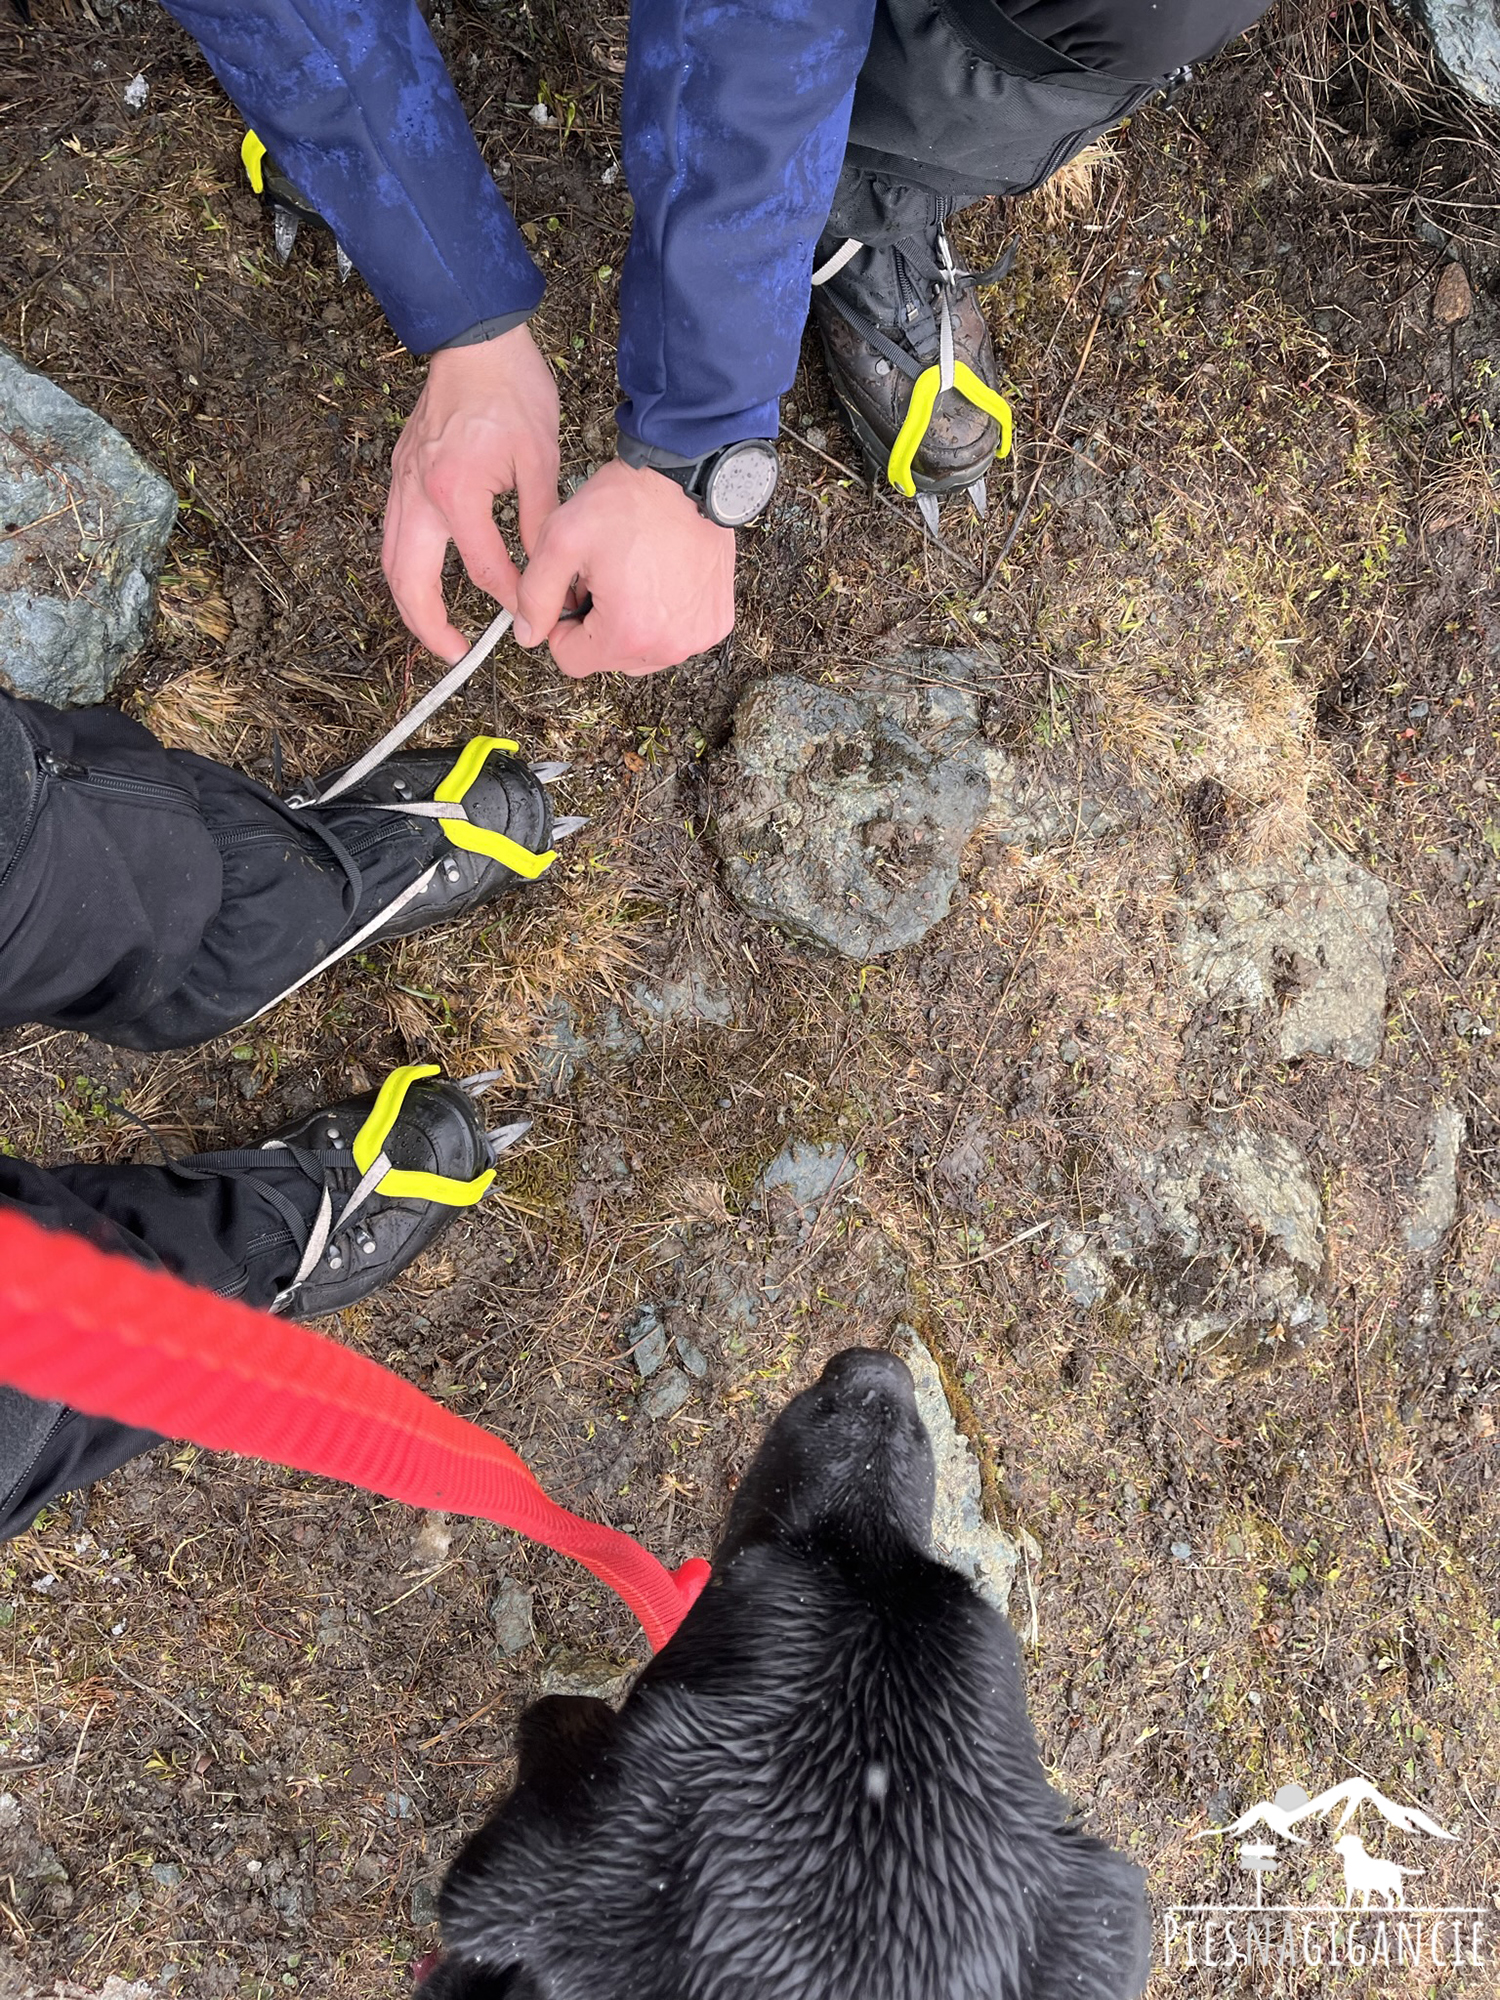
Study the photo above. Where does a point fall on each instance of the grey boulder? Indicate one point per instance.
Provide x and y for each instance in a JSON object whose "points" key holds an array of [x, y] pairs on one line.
{"points": [[83, 525], [838, 822], [1466, 35]]}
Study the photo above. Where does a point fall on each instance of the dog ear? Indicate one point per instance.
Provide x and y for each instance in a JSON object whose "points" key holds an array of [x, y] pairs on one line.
{"points": [[1094, 1934]]}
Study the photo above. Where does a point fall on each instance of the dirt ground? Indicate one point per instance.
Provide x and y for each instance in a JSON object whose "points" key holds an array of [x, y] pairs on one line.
{"points": [[1244, 552]]}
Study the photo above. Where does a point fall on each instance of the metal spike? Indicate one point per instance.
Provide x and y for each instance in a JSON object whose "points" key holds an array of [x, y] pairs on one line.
{"points": [[284, 227], [979, 497], [562, 828], [345, 263], [477, 1084], [504, 1136], [548, 772], [927, 507]]}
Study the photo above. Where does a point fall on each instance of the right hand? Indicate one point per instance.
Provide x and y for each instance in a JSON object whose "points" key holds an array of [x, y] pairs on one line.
{"points": [[485, 424]]}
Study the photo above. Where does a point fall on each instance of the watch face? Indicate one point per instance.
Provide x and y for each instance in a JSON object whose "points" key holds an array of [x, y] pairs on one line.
{"points": [[741, 484]]}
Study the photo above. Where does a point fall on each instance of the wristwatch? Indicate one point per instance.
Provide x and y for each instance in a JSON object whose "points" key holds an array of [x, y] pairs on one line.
{"points": [[732, 486]]}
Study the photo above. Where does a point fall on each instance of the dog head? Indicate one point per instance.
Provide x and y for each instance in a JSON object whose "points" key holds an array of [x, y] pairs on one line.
{"points": [[824, 1788]]}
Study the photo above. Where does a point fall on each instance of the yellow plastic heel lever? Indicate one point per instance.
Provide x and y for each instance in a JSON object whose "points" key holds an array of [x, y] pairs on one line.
{"points": [[369, 1142], [924, 396], [478, 839]]}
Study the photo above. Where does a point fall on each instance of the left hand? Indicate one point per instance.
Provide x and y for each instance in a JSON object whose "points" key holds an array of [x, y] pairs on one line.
{"points": [[660, 574]]}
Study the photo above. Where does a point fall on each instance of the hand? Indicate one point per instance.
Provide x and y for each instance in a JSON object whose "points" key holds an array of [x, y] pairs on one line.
{"points": [[486, 423], [661, 576]]}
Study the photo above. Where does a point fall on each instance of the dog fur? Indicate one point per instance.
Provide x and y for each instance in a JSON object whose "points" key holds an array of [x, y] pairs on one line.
{"points": [[825, 1787]]}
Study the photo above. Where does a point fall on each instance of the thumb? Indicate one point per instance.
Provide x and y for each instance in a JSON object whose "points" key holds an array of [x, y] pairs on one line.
{"points": [[545, 583]]}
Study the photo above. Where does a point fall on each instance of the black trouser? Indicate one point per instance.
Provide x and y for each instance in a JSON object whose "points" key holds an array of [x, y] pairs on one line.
{"points": [[154, 899], [963, 98]]}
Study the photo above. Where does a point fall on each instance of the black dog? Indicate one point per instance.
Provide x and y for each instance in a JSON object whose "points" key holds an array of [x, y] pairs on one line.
{"points": [[825, 1788]]}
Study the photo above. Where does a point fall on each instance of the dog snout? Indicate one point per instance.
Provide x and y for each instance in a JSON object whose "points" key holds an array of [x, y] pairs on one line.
{"points": [[871, 1382]]}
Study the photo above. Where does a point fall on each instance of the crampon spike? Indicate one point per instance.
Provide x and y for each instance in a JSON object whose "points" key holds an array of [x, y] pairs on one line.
{"points": [[284, 226], [344, 262], [549, 771], [979, 497], [562, 828], [500, 1137], [927, 507], [477, 1084]]}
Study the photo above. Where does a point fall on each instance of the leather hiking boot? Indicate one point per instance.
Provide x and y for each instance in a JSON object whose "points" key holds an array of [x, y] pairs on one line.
{"points": [[392, 824], [348, 1195], [887, 314]]}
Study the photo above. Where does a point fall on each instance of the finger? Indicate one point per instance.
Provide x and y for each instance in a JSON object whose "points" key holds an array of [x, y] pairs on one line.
{"points": [[471, 522], [415, 543], [547, 583], [536, 494]]}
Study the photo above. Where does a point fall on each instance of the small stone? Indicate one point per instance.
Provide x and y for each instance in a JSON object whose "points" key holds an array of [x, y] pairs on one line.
{"points": [[398, 1805], [666, 1396], [10, 1810], [136, 92], [808, 1173], [694, 1360], [432, 1541], [646, 1340], [1434, 1206], [510, 1614], [1453, 298], [424, 1908], [1182, 1552], [167, 1873]]}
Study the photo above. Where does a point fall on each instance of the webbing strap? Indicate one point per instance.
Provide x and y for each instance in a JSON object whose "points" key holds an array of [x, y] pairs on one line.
{"points": [[103, 1334]]}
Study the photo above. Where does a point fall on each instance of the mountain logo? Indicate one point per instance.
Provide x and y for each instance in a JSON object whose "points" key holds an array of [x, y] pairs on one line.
{"points": [[1375, 1924]]}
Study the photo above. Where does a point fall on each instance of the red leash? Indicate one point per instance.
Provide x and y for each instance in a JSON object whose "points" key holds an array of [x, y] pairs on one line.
{"points": [[108, 1337]]}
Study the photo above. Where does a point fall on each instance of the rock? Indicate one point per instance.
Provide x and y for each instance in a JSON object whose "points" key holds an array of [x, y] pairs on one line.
{"points": [[646, 1340], [1466, 35], [1453, 296], [808, 1173], [424, 1906], [693, 1359], [567, 1672], [961, 1536], [1034, 805], [1312, 939], [1434, 1207], [76, 581], [1220, 1236], [167, 1873], [692, 998], [838, 822], [666, 1396], [510, 1614], [432, 1541]]}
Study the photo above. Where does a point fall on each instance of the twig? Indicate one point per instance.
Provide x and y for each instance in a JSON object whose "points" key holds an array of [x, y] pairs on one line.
{"points": [[1364, 1431], [165, 1700]]}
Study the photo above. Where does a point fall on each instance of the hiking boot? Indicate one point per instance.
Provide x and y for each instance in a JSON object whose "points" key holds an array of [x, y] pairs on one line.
{"points": [[389, 824], [886, 315], [337, 1203]]}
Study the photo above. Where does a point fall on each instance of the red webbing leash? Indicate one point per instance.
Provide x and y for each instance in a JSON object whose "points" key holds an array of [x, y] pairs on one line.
{"points": [[108, 1337]]}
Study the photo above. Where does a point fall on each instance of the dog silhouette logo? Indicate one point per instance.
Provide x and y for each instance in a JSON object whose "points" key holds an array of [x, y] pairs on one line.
{"points": [[1366, 1875]]}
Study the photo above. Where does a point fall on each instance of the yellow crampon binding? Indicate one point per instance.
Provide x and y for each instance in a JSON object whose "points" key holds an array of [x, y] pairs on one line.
{"points": [[397, 1182], [925, 392], [252, 156], [462, 831]]}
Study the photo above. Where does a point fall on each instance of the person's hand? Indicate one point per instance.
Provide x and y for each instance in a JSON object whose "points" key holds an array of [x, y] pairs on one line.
{"points": [[660, 574], [486, 423]]}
